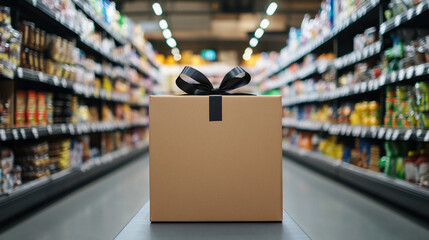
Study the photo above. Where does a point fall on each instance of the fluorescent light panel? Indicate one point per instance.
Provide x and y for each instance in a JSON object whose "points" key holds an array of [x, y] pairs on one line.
{"points": [[171, 42], [271, 8], [253, 42], [157, 9], [177, 57], [264, 23], [259, 32], [163, 24], [246, 57], [175, 51], [248, 50], [167, 33]]}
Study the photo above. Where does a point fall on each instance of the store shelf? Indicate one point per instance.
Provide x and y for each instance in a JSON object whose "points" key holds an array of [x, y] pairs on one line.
{"points": [[36, 132], [100, 22], [372, 132], [78, 88], [399, 192], [409, 73], [318, 42], [400, 19], [36, 192], [60, 19], [357, 56]]}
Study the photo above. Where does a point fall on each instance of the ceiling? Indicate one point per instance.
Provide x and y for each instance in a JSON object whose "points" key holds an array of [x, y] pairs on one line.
{"points": [[222, 25]]}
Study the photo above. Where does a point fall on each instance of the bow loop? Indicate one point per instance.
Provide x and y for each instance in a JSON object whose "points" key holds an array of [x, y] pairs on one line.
{"points": [[234, 79]]}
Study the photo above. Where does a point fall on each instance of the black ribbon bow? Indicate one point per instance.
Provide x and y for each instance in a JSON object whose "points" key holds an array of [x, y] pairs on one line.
{"points": [[235, 78]]}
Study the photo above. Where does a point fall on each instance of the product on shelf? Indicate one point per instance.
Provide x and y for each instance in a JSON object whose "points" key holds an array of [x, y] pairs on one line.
{"points": [[406, 106], [397, 7], [368, 37], [10, 174], [10, 44], [410, 47], [34, 160], [59, 154], [5, 120]]}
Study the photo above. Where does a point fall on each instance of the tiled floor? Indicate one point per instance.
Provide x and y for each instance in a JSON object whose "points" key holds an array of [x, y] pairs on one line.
{"points": [[322, 207]]}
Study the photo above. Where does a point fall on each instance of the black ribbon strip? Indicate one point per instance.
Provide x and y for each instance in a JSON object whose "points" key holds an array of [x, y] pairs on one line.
{"points": [[234, 79]]}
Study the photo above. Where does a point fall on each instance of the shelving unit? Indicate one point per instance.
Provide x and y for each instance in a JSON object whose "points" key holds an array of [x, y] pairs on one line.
{"points": [[338, 41], [368, 7], [402, 193], [40, 190], [37, 191], [46, 12]]}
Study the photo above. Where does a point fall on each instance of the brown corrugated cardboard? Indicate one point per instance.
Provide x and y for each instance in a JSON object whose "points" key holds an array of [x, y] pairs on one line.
{"points": [[228, 170]]}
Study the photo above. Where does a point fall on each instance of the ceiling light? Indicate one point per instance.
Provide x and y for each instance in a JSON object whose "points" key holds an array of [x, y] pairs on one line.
{"points": [[248, 50], [264, 23], [271, 8], [163, 24], [171, 42], [253, 42], [166, 33], [177, 57], [175, 51], [259, 32], [246, 57], [158, 10]]}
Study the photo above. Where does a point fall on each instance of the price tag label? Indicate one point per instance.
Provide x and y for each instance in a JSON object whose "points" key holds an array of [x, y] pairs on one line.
{"points": [[349, 130], [381, 132], [64, 82], [420, 69], [410, 72], [410, 13], [371, 85], [363, 87], [363, 132], [34, 2], [23, 134], [56, 81], [393, 76], [419, 8], [57, 16], [3, 135], [71, 129], [63, 128], [41, 77], [382, 28], [19, 72], [401, 75], [408, 134], [35, 132], [395, 134], [356, 88], [397, 20], [49, 127], [15, 134], [373, 132], [426, 138], [388, 134], [371, 50], [382, 80]]}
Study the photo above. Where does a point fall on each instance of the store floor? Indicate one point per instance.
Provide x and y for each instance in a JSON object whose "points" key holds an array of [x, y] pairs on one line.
{"points": [[322, 207]]}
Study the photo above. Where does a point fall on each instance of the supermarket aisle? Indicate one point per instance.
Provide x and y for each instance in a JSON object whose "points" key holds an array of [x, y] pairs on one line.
{"points": [[322, 207]]}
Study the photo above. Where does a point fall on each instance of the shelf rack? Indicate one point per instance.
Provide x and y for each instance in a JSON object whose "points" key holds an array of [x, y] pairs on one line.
{"points": [[399, 192], [36, 192], [75, 31], [396, 191]]}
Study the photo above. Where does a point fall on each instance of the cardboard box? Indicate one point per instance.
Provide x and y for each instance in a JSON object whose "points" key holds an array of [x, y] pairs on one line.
{"points": [[203, 168]]}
